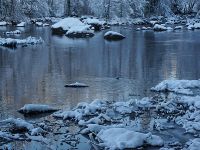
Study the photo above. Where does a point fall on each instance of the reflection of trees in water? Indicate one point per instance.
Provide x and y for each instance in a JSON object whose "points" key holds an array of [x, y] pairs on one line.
{"points": [[39, 73]]}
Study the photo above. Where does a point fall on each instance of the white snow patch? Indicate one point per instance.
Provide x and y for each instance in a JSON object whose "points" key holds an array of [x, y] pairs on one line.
{"points": [[36, 108], [177, 86], [18, 123], [3, 23], [158, 27], [80, 30], [67, 23], [22, 24], [121, 138], [13, 32]]}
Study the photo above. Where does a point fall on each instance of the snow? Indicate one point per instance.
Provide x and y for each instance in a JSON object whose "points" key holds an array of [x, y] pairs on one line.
{"points": [[80, 31], [22, 24], [197, 25], [91, 21], [37, 131], [178, 28], [39, 24], [67, 23], [120, 138], [46, 24], [18, 123], [3, 23], [158, 27], [36, 108], [177, 86], [12, 43], [76, 85], [193, 144], [138, 21], [190, 27], [13, 32]]}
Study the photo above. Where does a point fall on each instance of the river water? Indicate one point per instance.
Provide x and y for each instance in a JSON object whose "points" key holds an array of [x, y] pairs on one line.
{"points": [[115, 71]]}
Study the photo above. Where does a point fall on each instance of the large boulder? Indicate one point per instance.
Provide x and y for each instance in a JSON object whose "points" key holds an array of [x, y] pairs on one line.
{"points": [[111, 35], [64, 25], [80, 32], [96, 23], [159, 28]]}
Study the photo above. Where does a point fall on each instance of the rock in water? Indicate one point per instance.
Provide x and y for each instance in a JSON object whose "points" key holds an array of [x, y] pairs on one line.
{"points": [[111, 35], [76, 85], [36, 109]]}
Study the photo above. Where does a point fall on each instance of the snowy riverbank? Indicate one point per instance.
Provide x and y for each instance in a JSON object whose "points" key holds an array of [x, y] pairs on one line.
{"points": [[169, 119]]}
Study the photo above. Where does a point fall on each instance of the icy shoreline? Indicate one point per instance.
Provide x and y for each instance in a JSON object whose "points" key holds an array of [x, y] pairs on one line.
{"points": [[118, 125]]}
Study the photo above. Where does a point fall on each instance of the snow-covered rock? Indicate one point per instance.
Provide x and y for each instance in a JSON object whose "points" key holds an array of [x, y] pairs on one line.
{"points": [[139, 21], [13, 32], [82, 109], [36, 108], [37, 131], [193, 144], [64, 25], [177, 86], [76, 85], [3, 23], [120, 138], [12, 43], [95, 23], [197, 25], [22, 24], [18, 124], [178, 28], [111, 35], [158, 27], [191, 27], [39, 24], [46, 24], [80, 32]]}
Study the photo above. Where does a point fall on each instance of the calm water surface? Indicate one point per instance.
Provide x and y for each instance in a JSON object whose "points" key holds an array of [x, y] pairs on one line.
{"points": [[37, 74]]}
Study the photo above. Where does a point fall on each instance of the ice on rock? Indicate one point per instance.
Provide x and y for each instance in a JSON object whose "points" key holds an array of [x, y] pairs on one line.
{"points": [[177, 86], [36, 108], [121, 138]]}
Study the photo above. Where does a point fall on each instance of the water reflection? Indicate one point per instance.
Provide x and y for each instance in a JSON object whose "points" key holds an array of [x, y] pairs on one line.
{"points": [[37, 74]]}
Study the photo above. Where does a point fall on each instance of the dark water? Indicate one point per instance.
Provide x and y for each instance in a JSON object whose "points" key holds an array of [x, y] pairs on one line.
{"points": [[37, 74]]}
